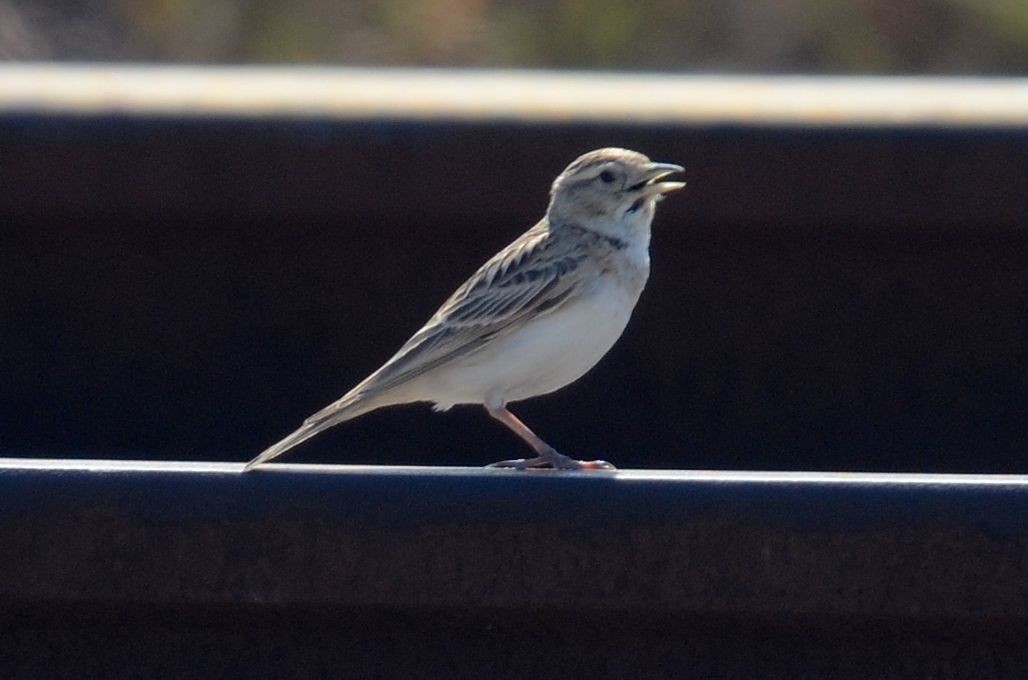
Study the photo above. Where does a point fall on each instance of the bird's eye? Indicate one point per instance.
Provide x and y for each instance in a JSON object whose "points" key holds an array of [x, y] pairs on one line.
{"points": [[606, 176]]}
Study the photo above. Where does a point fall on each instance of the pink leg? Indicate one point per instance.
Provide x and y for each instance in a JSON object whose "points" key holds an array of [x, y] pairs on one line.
{"points": [[547, 456]]}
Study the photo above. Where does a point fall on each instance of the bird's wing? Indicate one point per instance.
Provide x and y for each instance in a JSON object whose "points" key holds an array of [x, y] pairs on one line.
{"points": [[534, 275]]}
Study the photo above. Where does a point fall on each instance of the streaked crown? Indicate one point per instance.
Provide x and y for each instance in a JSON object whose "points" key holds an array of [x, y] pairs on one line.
{"points": [[610, 190]]}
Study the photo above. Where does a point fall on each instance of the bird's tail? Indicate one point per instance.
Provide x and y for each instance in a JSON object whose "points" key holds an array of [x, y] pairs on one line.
{"points": [[350, 406]]}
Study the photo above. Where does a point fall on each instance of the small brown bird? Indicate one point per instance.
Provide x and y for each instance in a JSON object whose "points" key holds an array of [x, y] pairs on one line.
{"points": [[535, 317]]}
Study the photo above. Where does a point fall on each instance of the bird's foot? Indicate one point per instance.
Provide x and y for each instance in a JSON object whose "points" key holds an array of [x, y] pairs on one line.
{"points": [[552, 459]]}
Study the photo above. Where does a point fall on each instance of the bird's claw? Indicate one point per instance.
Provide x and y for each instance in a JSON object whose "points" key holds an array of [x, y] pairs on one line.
{"points": [[555, 461]]}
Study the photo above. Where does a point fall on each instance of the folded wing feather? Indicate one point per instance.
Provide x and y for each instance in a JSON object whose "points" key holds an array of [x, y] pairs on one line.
{"points": [[530, 276]]}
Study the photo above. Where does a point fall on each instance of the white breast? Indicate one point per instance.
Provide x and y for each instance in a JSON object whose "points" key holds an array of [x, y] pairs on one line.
{"points": [[546, 354]]}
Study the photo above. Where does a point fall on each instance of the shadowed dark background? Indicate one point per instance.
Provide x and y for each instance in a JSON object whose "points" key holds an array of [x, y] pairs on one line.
{"points": [[827, 299]]}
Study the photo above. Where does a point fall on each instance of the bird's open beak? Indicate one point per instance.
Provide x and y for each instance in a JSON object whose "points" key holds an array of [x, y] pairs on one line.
{"points": [[656, 172]]}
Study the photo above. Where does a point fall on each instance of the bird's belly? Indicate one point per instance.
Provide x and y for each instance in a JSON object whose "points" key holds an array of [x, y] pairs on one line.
{"points": [[545, 355]]}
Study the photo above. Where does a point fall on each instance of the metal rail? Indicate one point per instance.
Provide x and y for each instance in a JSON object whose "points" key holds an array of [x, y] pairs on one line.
{"points": [[541, 97], [672, 542]]}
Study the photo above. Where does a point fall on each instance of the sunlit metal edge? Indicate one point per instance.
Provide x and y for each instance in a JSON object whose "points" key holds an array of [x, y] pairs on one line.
{"points": [[714, 476], [542, 96]]}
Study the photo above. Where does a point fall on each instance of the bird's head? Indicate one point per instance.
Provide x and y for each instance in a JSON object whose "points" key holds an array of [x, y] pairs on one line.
{"points": [[612, 191]]}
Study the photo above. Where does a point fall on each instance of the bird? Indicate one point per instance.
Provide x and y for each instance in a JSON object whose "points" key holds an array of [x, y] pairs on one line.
{"points": [[535, 317]]}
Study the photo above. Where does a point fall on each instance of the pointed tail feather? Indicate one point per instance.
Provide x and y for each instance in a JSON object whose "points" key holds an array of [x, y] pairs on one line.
{"points": [[345, 409]]}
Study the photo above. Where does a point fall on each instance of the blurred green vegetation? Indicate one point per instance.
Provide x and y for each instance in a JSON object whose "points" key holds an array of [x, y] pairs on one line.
{"points": [[758, 36]]}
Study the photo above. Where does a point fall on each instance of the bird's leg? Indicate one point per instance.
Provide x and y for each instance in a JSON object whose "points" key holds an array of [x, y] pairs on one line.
{"points": [[546, 455]]}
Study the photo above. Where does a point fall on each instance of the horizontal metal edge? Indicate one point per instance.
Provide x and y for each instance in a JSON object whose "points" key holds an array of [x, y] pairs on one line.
{"points": [[531, 96], [677, 542], [723, 476]]}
